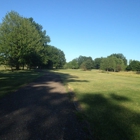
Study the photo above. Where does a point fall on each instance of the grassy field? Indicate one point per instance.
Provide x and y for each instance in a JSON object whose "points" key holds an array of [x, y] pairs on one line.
{"points": [[111, 102], [10, 81]]}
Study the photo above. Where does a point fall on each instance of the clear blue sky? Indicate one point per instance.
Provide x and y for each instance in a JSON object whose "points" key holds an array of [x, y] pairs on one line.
{"points": [[95, 28]]}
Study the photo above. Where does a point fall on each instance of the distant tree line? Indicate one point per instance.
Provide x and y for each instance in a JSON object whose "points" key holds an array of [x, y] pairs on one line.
{"points": [[83, 62], [23, 42], [134, 65], [114, 62]]}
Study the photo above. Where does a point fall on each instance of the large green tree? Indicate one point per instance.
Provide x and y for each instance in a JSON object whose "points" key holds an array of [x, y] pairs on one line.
{"points": [[19, 40], [81, 59], [107, 64], [45, 39], [86, 65], [42, 59], [112, 63], [55, 57], [120, 56], [97, 62], [133, 66], [74, 64]]}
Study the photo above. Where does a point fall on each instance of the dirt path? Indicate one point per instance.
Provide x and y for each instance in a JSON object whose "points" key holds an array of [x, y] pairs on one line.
{"points": [[40, 111]]}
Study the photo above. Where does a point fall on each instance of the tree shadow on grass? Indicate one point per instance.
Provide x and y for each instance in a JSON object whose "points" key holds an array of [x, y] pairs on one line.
{"points": [[108, 119], [119, 98], [10, 81], [70, 78], [40, 111]]}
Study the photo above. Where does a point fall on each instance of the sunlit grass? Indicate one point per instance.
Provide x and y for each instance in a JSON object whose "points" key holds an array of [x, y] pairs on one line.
{"points": [[111, 102]]}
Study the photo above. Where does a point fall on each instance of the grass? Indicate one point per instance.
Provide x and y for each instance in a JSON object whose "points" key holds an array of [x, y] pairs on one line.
{"points": [[11, 81], [110, 102], [2, 67]]}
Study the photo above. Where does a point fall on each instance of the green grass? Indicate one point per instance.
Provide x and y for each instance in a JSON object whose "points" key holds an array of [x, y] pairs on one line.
{"points": [[110, 101], [11, 81], [2, 67]]}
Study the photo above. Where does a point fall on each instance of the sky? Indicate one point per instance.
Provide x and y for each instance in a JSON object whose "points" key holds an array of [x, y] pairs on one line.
{"points": [[95, 28]]}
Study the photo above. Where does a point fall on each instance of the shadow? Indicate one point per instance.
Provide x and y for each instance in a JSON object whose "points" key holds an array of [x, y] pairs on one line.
{"points": [[73, 80], [69, 78], [119, 98], [10, 81], [40, 110], [109, 119]]}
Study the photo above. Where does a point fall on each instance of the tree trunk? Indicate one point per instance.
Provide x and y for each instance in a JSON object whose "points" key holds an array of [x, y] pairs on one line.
{"points": [[23, 66], [17, 66]]}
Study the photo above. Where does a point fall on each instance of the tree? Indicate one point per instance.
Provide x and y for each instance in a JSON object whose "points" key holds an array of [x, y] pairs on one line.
{"points": [[82, 59], [86, 65], [55, 56], [121, 56], [19, 40], [24, 42], [119, 65], [112, 63], [105, 64], [97, 62], [68, 65], [74, 64], [134, 65], [44, 38]]}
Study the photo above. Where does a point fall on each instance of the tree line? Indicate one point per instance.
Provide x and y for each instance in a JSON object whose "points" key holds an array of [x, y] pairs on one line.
{"points": [[23, 42], [113, 62]]}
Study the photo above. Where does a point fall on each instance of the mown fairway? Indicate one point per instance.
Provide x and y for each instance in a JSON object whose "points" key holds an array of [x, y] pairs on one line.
{"points": [[10, 81], [111, 102]]}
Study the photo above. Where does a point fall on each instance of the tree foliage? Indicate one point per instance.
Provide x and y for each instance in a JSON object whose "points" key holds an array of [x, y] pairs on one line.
{"points": [[133, 66], [18, 40], [24, 42], [97, 62], [120, 56], [83, 62], [56, 57], [86, 65], [112, 63], [72, 64]]}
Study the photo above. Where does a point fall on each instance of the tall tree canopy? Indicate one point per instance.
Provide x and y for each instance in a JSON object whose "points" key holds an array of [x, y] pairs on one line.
{"points": [[81, 59], [56, 57], [18, 39], [121, 56], [134, 65], [112, 63], [97, 62], [24, 42], [83, 62], [44, 38]]}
